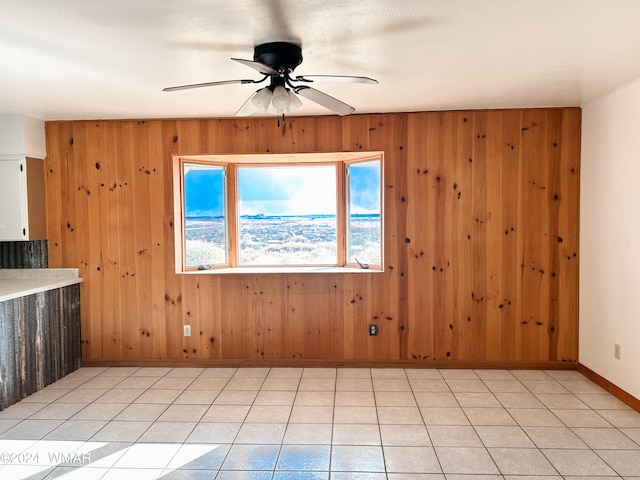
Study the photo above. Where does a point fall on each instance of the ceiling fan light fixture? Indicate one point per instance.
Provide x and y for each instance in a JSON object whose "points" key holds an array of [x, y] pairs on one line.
{"points": [[295, 103], [262, 98], [273, 110], [280, 99]]}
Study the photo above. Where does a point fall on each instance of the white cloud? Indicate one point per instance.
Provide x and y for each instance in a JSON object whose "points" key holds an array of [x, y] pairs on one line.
{"points": [[299, 191]]}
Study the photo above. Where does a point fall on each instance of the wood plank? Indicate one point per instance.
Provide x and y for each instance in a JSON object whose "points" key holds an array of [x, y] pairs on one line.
{"points": [[568, 241], [510, 194], [416, 281], [54, 180]]}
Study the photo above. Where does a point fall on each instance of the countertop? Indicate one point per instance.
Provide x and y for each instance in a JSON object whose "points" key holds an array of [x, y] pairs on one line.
{"points": [[21, 282]]}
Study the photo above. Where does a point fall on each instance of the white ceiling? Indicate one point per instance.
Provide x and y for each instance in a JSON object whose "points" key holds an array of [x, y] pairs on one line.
{"points": [[91, 59]]}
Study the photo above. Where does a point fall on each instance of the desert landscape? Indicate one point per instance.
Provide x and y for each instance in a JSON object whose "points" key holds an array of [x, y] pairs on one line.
{"points": [[283, 240]]}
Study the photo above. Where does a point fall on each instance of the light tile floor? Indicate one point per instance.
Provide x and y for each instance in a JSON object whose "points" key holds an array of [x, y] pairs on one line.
{"points": [[319, 424]]}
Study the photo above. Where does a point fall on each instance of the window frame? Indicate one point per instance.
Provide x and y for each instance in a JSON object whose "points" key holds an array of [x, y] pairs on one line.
{"points": [[231, 163]]}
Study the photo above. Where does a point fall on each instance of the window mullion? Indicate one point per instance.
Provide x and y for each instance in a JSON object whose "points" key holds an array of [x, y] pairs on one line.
{"points": [[341, 216], [232, 215]]}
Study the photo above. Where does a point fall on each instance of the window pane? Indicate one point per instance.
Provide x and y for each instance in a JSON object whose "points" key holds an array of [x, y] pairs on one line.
{"points": [[204, 207], [287, 215], [363, 216]]}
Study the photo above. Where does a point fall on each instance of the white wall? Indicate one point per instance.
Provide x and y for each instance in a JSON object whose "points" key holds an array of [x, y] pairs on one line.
{"points": [[610, 237]]}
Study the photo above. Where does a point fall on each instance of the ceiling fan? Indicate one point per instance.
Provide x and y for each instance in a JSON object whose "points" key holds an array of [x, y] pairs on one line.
{"points": [[277, 61]]}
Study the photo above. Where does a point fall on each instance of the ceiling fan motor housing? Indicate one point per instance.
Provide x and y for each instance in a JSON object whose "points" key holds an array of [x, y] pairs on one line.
{"points": [[278, 55]]}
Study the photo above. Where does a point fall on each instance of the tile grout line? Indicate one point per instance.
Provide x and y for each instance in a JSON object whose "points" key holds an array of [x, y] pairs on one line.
{"points": [[435, 454], [548, 409], [486, 449]]}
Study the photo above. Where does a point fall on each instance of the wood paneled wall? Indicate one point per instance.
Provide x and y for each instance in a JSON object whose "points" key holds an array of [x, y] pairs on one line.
{"points": [[481, 243]]}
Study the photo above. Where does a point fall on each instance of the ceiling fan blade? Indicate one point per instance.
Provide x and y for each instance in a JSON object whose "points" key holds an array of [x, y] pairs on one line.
{"points": [[327, 101], [335, 78], [248, 108], [207, 84], [261, 67]]}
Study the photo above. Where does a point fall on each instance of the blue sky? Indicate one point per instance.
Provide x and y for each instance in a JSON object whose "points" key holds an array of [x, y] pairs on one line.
{"points": [[204, 192], [364, 189], [284, 190]]}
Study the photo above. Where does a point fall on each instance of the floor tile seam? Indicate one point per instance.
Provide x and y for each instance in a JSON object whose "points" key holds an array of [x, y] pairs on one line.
{"points": [[567, 393], [173, 404], [420, 391], [474, 427], [333, 420], [553, 380], [182, 444], [121, 452], [627, 436], [41, 436], [133, 402], [79, 387], [424, 424], [95, 402], [463, 411], [624, 434], [476, 370], [12, 427], [126, 421], [488, 391], [193, 379], [87, 378], [583, 410], [409, 379], [486, 450], [535, 448], [597, 412], [523, 429], [334, 377], [63, 418], [166, 405], [586, 445], [45, 404], [545, 407], [279, 379], [542, 450], [384, 458], [222, 388], [597, 452], [253, 403], [110, 368]]}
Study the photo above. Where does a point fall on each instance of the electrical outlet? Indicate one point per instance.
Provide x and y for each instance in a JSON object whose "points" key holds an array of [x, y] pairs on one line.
{"points": [[187, 330], [373, 329], [616, 351]]}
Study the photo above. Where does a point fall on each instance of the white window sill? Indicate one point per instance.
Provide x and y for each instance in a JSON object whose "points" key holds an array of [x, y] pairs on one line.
{"points": [[262, 270]]}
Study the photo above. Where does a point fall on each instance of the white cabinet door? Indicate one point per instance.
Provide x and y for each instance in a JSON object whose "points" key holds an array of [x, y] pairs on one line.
{"points": [[13, 209]]}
